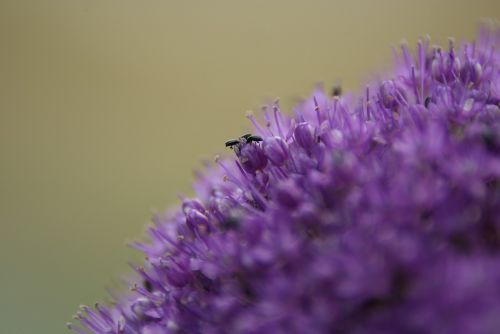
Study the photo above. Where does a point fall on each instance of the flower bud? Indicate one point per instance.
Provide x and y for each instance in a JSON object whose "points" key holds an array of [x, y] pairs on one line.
{"points": [[304, 136], [276, 150], [192, 204], [144, 307], [444, 67], [288, 194], [389, 94], [252, 158], [197, 220], [471, 72]]}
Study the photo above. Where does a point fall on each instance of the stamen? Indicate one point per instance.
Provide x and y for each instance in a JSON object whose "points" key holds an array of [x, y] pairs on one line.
{"points": [[277, 116], [251, 117], [415, 85], [422, 52], [316, 109]]}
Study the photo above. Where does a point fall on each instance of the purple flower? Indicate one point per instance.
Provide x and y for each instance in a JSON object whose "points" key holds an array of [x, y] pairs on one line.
{"points": [[276, 149], [375, 215]]}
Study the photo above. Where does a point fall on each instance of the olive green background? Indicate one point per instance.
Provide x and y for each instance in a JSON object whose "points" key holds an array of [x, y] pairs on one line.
{"points": [[106, 107]]}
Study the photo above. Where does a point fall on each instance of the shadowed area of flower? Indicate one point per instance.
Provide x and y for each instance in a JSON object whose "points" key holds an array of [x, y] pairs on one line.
{"points": [[371, 214]]}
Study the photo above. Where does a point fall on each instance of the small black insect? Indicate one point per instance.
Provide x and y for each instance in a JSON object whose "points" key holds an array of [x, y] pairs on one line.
{"points": [[337, 90], [230, 223], [489, 141], [148, 286], [427, 101], [247, 138], [253, 138], [231, 143], [248, 135]]}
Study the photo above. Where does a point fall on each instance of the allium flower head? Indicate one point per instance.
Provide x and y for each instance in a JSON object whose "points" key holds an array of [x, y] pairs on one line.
{"points": [[375, 214]]}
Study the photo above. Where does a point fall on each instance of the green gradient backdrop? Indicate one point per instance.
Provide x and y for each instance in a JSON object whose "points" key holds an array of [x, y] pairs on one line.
{"points": [[107, 106]]}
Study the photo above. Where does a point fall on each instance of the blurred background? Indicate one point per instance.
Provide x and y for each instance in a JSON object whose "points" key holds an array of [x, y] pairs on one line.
{"points": [[107, 106]]}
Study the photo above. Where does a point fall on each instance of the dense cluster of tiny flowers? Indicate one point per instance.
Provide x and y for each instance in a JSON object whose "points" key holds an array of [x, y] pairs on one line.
{"points": [[371, 214]]}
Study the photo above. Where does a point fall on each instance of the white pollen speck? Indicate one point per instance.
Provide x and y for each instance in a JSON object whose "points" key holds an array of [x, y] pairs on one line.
{"points": [[468, 105]]}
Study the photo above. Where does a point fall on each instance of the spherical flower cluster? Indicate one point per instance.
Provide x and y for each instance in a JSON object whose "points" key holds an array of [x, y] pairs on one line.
{"points": [[372, 214]]}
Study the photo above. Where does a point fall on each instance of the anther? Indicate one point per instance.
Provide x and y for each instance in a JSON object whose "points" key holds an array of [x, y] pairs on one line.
{"points": [[336, 91]]}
